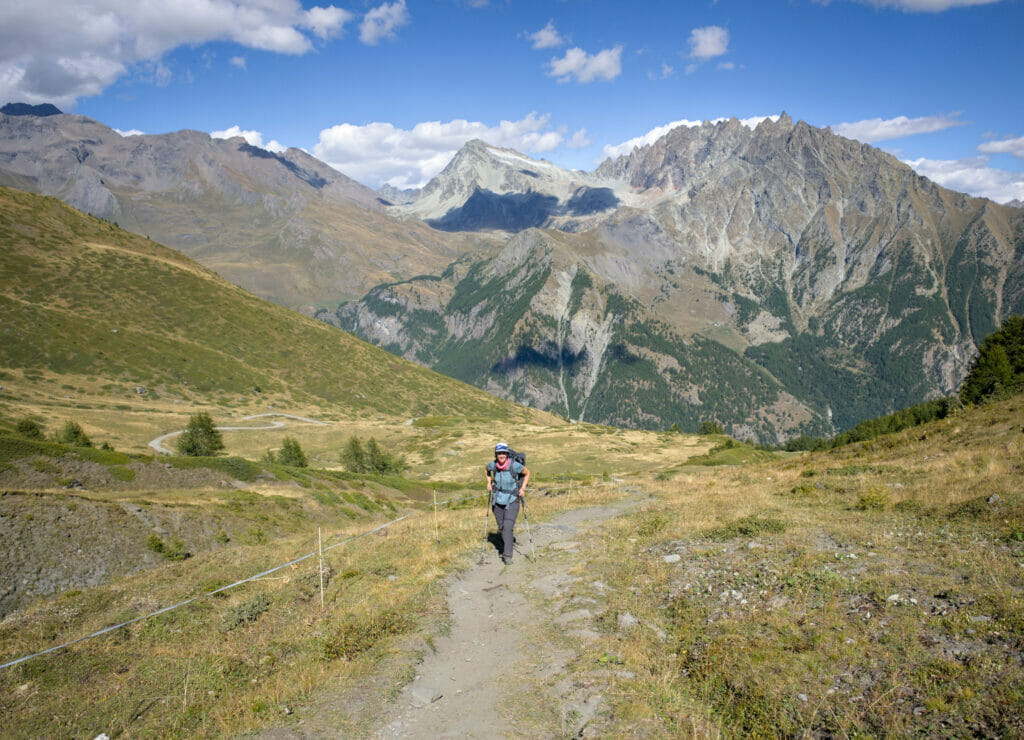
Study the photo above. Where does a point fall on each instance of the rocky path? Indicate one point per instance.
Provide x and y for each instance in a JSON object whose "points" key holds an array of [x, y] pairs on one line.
{"points": [[487, 678], [500, 671]]}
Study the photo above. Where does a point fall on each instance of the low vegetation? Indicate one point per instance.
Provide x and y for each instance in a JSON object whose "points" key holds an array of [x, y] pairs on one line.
{"points": [[870, 590]]}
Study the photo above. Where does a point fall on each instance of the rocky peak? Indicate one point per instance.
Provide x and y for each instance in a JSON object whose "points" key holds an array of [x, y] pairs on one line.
{"points": [[26, 109]]}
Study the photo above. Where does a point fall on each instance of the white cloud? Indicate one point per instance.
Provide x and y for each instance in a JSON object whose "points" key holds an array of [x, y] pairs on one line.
{"points": [[381, 22], [973, 176], [1005, 146], [238, 62], [728, 66], [253, 138], [130, 132], [61, 50], [708, 42], [326, 22], [583, 67], [579, 140], [878, 129], [617, 150], [379, 153], [547, 37], [923, 6]]}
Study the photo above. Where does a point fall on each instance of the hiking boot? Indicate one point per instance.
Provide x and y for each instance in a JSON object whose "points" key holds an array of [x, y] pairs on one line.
{"points": [[506, 561]]}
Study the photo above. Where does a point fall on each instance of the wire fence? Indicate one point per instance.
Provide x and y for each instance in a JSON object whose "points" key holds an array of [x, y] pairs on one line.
{"points": [[236, 584]]}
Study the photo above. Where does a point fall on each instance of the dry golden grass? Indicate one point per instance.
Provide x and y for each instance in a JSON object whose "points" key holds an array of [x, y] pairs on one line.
{"points": [[873, 590], [235, 662]]}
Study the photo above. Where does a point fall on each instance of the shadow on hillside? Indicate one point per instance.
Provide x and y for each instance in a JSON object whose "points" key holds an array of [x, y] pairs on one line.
{"points": [[549, 357], [485, 209]]}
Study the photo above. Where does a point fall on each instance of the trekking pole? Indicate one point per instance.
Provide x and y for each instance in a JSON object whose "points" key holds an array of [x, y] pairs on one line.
{"points": [[483, 542], [528, 534]]}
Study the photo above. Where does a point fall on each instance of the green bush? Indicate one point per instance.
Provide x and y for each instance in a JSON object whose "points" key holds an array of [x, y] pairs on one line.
{"points": [[874, 499], [29, 428], [72, 434], [173, 551], [247, 612], [122, 473], [748, 526], [355, 636]]}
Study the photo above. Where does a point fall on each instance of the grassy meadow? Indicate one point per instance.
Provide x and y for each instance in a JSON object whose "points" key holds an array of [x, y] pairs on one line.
{"points": [[874, 590]]}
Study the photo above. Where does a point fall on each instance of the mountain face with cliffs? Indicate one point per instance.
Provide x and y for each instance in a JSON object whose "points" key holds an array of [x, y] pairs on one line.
{"points": [[779, 279], [283, 225]]}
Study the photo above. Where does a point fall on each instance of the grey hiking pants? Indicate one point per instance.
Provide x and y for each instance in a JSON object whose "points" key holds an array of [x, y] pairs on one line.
{"points": [[505, 516]]}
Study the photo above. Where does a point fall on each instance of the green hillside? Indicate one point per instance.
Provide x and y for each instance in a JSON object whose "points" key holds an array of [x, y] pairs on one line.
{"points": [[84, 299]]}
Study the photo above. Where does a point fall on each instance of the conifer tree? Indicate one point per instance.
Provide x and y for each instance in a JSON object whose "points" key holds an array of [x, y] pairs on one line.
{"points": [[291, 454], [200, 438]]}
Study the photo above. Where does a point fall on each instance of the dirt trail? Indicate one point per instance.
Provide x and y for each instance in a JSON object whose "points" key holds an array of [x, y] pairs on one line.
{"points": [[470, 687], [491, 676]]}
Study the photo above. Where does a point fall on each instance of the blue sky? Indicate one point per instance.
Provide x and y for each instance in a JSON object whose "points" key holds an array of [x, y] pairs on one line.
{"points": [[387, 92]]}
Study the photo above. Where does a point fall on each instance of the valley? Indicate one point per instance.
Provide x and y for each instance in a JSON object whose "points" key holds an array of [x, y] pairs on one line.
{"points": [[678, 583]]}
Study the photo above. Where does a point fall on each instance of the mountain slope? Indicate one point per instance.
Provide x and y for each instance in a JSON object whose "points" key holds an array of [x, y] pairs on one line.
{"points": [[82, 297], [853, 284], [283, 225]]}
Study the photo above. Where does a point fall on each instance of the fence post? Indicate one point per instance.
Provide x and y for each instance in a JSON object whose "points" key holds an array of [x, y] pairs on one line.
{"points": [[320, 548], [436, 537]]}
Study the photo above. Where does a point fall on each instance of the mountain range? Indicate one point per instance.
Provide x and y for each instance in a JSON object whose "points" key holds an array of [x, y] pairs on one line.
{"points": [[778, 279], [285, 226]]}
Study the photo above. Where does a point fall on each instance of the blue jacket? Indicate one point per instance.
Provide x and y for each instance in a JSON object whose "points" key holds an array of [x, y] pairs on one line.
{"points": [[506, 482]]}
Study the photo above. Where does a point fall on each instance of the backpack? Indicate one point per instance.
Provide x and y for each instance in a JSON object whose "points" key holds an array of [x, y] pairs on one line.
{"points": [[518, 457]]}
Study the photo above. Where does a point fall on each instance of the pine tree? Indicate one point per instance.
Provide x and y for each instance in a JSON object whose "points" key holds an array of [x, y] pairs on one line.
{"points": [[73, 435], [999, 366], [353, 457], [200, 438], [291, 454]]}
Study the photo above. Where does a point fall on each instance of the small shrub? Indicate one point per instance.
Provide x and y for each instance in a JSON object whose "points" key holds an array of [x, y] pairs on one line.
{"points": [[651, 525], [1012, 535], [122, 473], [356, 636], [29, 428], [173, 551], [44, 466], [748, 526], [247, 612], [975, 508], [874, 499], [909, 506]]}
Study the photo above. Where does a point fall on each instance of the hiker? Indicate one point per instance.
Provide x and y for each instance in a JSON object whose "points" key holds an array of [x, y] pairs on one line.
{"points": [[506, 482]]}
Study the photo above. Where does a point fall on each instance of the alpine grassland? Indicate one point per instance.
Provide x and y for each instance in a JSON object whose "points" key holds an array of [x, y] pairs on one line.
{"points": [[91, 310], [875, 589], [236, 660]]}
